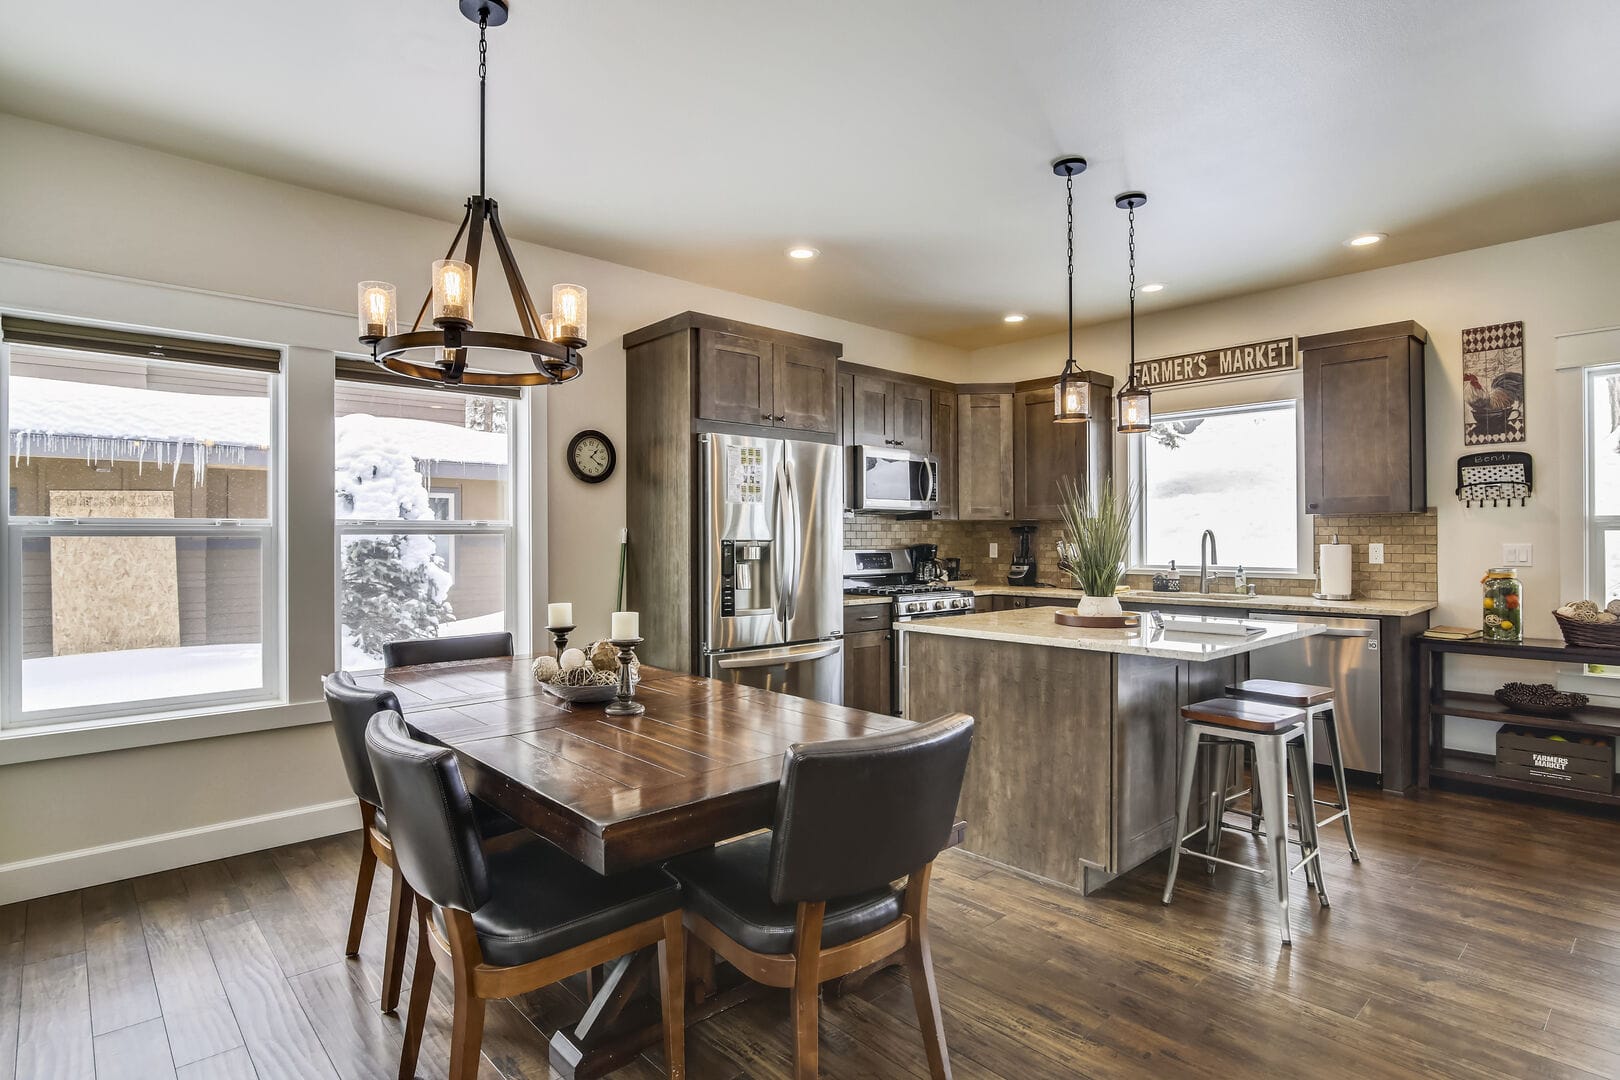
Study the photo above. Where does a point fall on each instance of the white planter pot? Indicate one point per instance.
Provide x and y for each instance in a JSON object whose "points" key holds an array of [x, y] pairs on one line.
{"points": [[1097, 607]]}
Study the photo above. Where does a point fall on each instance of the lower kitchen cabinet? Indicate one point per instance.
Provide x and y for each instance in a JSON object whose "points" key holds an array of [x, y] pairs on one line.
{"points": [[868, 671]]}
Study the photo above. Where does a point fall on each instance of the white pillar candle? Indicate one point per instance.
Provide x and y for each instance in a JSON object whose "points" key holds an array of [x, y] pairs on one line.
{"points": [[559, 614], [626, 625]]}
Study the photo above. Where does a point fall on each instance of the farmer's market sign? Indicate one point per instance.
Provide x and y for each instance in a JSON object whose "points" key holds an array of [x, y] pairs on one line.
{"points": [[1231, 362]]}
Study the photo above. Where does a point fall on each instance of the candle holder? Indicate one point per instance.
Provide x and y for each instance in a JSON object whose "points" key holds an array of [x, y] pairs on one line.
{"points": [[625, 703], [559, 634]]}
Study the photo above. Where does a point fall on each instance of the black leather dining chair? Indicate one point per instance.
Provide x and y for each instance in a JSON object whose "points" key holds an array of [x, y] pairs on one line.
{"points": [[511, 921], [352, 707], [815, 898], [445, 649]]}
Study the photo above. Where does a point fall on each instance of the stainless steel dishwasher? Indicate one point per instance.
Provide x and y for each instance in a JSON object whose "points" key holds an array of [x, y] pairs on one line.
{"points": [[1346, 658]]}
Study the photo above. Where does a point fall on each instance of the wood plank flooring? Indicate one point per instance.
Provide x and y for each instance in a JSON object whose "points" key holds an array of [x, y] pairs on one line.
{"points": [[1478, 938]]}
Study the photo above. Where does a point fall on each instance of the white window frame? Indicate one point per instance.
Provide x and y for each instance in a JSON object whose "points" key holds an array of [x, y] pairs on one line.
{"points": [[16, 532], [1596, 525], [1304, 530], [517, 586]]}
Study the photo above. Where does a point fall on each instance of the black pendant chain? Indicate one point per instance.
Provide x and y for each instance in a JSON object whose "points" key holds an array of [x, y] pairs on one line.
{"points": [[1070, 183], [1132, 248], [483, 79]]}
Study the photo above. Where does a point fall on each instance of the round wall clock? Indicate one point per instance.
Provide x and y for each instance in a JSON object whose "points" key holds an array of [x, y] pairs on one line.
{"points": [[591, 456]]}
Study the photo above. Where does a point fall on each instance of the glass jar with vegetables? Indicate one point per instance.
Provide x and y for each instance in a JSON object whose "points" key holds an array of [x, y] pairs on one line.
{"points": [[1504, 605]]}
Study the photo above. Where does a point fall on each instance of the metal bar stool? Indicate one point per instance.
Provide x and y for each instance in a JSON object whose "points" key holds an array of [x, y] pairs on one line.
{"points": [[1276, 736], [1317, 701]]}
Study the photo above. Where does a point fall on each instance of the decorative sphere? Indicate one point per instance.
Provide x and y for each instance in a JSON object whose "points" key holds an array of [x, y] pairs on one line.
{"points": [[546, 668], [604, 657], [571, 659]]}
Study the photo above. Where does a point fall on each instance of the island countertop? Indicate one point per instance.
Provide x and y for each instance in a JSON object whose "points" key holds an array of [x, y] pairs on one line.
{"points": [[1035, 626]]}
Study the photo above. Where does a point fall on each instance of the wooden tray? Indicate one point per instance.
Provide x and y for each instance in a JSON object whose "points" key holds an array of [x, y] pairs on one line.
{"points": [[1111, 622]]}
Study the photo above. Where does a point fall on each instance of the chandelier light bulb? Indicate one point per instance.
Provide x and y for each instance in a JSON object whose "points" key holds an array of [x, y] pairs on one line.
{"points": [[379, 310], [452, 293], [568, 312]]}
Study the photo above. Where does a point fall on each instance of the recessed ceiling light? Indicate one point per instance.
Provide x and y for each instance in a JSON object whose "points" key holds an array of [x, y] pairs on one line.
{"points": [[1013, 317], [1365, 239], [1152, 286], [802, 253]]}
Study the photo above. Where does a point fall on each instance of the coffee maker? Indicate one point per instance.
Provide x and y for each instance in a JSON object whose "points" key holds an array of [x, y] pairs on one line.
{"points": [[1022, 570], [925, 565]]}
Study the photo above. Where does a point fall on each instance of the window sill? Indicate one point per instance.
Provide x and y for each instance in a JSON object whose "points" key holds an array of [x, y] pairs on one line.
{"points": [[47, 741]]}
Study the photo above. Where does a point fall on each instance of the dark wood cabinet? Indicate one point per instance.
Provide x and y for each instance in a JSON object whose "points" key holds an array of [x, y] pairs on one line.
{"points": [[755, 376], [805, 387], [868, 670], [1044, 452], [870, 413], [736, 378], [984, 455], [943, 447], [912, 416], [1364, 420], [891, 412]]}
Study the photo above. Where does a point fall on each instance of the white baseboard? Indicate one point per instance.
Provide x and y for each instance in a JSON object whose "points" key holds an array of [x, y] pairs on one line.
{"points": [[49, 874]]}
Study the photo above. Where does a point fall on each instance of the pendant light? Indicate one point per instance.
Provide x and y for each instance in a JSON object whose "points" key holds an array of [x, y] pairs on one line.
{"points": [[551, 343], [1071, 397], [1135, 403]]}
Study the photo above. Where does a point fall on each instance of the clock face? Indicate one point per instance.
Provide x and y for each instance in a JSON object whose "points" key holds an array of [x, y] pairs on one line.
{"points": [[591, 456]]}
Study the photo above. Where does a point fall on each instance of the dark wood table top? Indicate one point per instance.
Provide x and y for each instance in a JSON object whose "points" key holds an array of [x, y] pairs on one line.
{"points": [[700, 766]]}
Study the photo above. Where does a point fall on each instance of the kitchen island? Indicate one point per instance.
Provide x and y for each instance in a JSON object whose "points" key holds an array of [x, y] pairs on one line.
{"points": [[1073, 773]]}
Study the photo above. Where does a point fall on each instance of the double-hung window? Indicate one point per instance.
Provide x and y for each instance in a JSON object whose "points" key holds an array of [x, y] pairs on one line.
{"points": [[141, 523], [1234, 471], [425, 503], [1603, 482]]}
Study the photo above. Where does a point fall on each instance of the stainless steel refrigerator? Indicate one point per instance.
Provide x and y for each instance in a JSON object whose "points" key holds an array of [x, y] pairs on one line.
{"points": [[769, 544]]}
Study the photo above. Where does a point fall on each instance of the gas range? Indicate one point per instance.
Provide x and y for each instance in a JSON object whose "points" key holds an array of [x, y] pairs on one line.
{"points": [[888, 572]]}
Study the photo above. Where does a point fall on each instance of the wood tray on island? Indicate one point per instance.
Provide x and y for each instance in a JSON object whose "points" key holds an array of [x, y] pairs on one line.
{"points": [[1064, 617]]}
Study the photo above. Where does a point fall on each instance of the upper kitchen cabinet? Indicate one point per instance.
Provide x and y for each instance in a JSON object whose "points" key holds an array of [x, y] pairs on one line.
{"points": [[984, 455], [742, 374], [891, 412], [944, 449], [1044, 452], [1364, 420]]}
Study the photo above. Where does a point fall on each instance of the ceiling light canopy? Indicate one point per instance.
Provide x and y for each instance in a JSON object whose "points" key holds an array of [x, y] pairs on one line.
{"points": [[551, 342], [1366, 239], [1071, 394], [802, 253]]}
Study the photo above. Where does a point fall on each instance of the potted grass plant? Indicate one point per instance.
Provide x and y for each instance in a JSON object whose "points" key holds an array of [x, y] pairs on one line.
{"points": [[1096, 540]]}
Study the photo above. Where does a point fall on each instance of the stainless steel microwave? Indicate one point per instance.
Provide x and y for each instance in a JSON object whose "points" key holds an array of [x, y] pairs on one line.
{"points": [[890, 480]]}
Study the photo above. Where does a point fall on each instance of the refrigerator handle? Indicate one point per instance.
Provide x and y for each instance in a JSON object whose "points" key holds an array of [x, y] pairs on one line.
{"points": [[792, 597]]}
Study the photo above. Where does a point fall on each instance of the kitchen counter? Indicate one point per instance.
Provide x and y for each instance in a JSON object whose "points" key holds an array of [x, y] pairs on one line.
{"points": [[1035, 626], [1263, 602], [861, 601]]}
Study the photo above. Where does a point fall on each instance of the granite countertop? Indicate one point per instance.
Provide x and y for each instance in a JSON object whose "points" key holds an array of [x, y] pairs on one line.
{"points": [[858, 601], [1035, 626], [1262, 602]]}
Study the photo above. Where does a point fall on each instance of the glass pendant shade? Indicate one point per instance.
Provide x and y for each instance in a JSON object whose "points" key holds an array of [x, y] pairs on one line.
{"points": [[1135, 410], [1071, 398], [546, 327], [378, 310], [568, 315], [452, 293]]}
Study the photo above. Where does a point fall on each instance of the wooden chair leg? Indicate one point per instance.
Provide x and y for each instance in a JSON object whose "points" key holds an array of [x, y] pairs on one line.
{"points": [[362, 894], [807, 990], [920, 969], [699, 969], [399, 929], [421, 992], [672, 992], [466, 1032]]}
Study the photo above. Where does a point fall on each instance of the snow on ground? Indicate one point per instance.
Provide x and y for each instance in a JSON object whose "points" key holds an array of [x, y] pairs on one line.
{"points": [[67, 682]]}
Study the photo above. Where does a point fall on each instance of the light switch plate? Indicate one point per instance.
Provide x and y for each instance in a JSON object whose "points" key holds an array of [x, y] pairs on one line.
{"points": [[1375, 554], [1518, 555], [995, 549]]}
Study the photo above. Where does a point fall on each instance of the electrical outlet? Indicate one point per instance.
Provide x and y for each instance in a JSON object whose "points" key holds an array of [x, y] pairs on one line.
{"points": [[1517, 555], [995, 549], [1375, 554]]}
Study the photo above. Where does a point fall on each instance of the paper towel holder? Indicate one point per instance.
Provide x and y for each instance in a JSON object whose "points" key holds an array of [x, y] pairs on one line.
{"points": [[1328, 595]]}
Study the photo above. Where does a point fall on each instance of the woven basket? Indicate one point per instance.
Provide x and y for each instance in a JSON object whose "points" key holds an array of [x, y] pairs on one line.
{"points": [[1585, 635]]}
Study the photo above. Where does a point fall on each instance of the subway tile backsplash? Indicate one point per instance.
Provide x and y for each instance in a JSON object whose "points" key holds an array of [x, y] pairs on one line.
{"points": [[1408, 572]]}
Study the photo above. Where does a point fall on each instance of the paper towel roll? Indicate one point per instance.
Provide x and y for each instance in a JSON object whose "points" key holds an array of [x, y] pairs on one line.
{"points": [[1333, 569]]}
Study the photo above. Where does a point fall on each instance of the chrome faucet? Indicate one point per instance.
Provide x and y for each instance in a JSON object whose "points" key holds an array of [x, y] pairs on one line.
{"points": [[1206, 556]]}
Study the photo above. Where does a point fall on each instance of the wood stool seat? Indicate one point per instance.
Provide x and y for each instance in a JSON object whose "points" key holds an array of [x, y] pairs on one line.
{"points": [[1281, 692], [1240, 715]]}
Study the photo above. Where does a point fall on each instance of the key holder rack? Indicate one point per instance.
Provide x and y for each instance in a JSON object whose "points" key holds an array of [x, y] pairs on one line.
{"points": [[1495, 475]]}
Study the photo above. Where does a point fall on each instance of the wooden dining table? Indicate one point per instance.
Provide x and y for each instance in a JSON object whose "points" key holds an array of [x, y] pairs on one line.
{"points": [[700, 766]]}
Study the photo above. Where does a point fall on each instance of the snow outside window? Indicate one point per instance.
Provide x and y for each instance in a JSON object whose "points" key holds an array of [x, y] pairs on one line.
{"points": [[1232, 470], [141, 542], [423, 491], [1603, 488]]}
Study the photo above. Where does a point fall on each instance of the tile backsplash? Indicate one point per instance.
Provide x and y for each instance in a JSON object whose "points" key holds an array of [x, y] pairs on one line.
{"points": [[1409, 570]]}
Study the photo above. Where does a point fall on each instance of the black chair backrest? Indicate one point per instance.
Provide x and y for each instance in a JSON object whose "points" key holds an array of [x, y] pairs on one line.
{"points": [[430, 815], [856, 814], [352, 709], [443, 650]]}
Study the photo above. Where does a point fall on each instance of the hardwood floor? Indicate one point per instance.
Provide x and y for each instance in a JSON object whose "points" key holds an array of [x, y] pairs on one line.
{"points": [[1478, 938]]}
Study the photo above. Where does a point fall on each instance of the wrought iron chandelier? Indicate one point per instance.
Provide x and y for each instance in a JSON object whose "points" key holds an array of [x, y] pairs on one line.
{"points": [[1071, 397], [551, 342], [1135, 402]]}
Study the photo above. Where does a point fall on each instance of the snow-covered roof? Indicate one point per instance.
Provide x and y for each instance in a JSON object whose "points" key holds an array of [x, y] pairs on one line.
{"points": [[114, 415]]}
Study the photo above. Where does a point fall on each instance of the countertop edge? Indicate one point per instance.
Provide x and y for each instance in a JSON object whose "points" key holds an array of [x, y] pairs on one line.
{"points": [[1265, 602]]}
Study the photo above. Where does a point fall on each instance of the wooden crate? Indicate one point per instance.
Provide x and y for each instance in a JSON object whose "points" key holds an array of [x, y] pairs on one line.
{"points": [[1528, 754]]}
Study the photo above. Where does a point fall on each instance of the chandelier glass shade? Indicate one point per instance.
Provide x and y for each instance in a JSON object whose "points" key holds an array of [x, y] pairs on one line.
{"points": [[549, 344]]}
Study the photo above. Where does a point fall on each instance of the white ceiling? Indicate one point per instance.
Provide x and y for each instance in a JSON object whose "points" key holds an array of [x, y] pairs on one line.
{"points": [[909, 141]]}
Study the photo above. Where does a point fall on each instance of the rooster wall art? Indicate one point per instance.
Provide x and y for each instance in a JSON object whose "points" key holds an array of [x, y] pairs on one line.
{"points": [[1493, 384]]}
